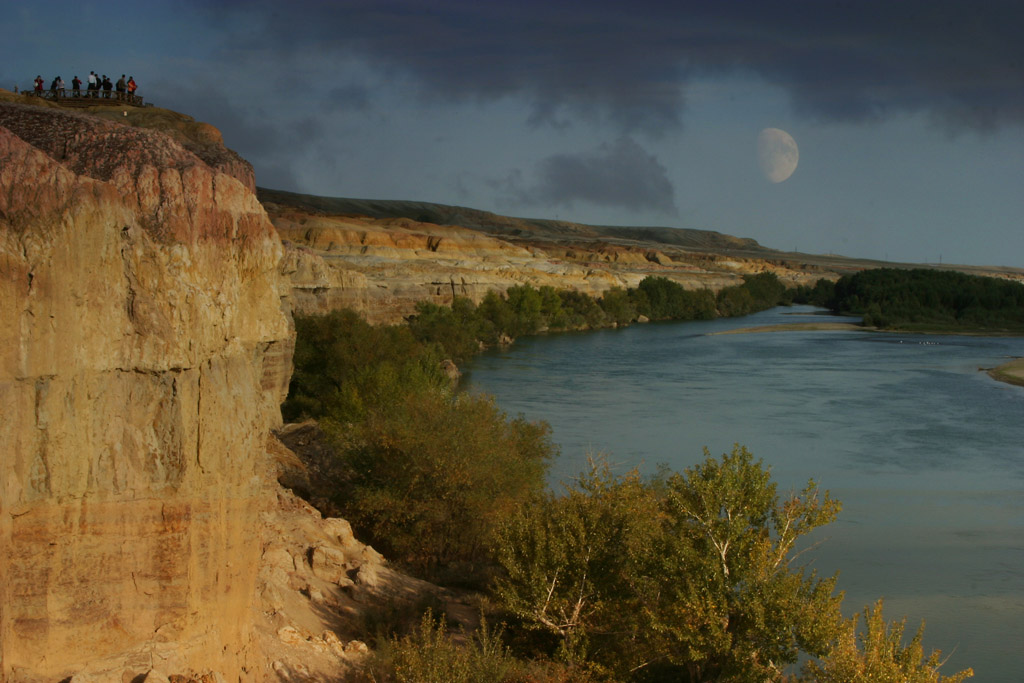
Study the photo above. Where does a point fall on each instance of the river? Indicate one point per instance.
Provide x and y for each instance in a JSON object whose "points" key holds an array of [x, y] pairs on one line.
{"points": [[925, 452]]}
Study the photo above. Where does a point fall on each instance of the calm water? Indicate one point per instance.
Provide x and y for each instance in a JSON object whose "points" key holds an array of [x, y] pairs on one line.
{"points": [[925, 452]]}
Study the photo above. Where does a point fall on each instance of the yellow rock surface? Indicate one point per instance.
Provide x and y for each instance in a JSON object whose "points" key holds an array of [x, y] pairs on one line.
{"points": [[143, 357]]}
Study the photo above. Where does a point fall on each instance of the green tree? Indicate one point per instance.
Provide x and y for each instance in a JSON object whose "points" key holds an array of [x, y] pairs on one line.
{"points": [[525, 303], [731, 605], [455, 328], [691, 576], [582, 311], [664, 297], [734, 301], [617, 306], [570, 563], [551, 312], [766, 290], [876, 654], [499, 315]]}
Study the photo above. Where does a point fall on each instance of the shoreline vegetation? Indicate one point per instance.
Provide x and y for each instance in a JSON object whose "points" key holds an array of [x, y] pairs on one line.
{"points": [[698, 566], [925, 301]]}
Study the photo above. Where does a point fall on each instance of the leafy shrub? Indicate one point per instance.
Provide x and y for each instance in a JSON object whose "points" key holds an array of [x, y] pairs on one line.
{"points": [[433, 476], [877, 653], [426, 474], [344, 367], [431, 655]]}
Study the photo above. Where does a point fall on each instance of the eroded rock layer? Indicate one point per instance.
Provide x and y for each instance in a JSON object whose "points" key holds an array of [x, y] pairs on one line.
{"points": [[382, 265], [143, 357]]}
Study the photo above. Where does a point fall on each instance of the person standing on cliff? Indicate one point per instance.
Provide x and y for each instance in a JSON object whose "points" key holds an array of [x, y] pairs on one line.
{"points": [[121, 88], [108, 85], [60, 87], [93, 84], [132, 86], [76, 86], [39, 86]]}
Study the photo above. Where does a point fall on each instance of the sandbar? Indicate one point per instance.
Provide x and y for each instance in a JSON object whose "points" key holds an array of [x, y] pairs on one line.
{"points": [[1011, 372]]}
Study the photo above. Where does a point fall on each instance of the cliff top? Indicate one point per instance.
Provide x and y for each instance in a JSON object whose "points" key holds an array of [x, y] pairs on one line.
{"points": [[201, 139]]}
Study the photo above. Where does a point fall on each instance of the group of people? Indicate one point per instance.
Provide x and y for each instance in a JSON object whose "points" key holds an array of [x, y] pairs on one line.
{"points": [[124, 89]]}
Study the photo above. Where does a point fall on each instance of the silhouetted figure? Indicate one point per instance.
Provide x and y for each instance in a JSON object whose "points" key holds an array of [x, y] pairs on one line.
{"points": [[132, 87], [60, 87], [76, 86], [39, 86], [53, 88], [94, 83], [121, 88], [108, 85]]}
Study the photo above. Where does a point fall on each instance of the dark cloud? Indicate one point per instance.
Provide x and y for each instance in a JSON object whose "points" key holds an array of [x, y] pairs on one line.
{"points": [[347, 98], [621, 175], [629, 62], [273, 150]]}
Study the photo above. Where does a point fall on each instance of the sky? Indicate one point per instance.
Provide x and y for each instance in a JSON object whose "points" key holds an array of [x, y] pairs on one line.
{"points": [[908, 114]]}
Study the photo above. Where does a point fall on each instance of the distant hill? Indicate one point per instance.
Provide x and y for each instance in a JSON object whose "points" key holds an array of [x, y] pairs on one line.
{"points": [[540, 230], [510, 227]]}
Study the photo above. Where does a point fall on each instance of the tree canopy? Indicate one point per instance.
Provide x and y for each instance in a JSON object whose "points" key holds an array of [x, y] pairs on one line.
{"points": [[924, 299]]}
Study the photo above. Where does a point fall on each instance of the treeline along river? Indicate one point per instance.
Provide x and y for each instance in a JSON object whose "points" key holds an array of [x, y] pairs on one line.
{"points": [[925, 451]]}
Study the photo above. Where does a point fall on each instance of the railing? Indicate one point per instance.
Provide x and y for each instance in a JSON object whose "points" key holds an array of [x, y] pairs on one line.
{"points": [[87, 97]]}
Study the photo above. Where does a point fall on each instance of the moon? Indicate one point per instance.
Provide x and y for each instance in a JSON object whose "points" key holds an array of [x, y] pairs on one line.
{"points": [[777, 154]]}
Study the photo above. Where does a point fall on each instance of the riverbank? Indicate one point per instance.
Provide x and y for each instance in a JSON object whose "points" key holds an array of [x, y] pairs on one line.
{"points": [[1011, 373]]}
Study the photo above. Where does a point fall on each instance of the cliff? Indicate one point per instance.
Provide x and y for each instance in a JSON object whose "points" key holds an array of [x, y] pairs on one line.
{"points": [[145, 349], [143, 357]]}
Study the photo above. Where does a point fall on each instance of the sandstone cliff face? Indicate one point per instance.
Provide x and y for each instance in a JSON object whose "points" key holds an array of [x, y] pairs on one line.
{"points": [[143, 357]]}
